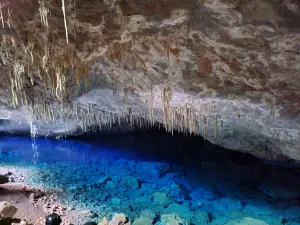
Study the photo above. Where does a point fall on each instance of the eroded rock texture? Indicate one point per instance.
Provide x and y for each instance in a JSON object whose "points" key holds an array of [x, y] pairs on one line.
{"points": [[225, 69]]}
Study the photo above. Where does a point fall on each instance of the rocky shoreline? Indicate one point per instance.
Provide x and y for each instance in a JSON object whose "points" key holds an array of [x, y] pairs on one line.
{"points": [[36, 202]]}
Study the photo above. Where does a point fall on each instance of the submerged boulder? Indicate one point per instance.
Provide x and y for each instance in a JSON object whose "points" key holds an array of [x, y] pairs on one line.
{"points": [[119, 219], [162, 199], [130, 182], [247, 221], [171, 219], [143, 221]]}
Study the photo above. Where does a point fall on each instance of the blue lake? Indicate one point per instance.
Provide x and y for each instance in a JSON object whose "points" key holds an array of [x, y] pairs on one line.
{"points": [[130, 174]]}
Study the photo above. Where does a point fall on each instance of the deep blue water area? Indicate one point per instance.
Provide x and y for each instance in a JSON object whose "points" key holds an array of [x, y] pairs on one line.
{"points": [[151, 174]]}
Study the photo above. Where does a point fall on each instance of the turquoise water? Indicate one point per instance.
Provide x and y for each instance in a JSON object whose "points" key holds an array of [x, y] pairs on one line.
{"points": [[132, 175]]}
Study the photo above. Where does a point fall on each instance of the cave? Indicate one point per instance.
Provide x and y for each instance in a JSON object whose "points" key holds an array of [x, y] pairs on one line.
{"points": [[150, 112]]}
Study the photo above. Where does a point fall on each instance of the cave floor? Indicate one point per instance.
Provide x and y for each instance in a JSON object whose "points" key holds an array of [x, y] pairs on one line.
{"points": [[210, 187]]}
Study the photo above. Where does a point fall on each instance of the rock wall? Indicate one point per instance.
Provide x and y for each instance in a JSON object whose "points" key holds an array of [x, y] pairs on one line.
{"points": [[224, 69]]}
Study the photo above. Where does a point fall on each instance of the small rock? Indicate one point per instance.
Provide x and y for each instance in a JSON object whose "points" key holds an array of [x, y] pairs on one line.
{"points": [[116, 201], [161, 199], [7, 210], [200, 218], [172, 219], [119, 219], [130, 181], [3, 179], [104, 222], [110, 185], [23, 222], [247, 221], [143, 221]]}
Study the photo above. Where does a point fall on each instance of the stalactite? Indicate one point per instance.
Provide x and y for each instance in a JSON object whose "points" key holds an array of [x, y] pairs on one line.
{"points": [[221, 127], [65, 20], [215, 126], [1, 16]]}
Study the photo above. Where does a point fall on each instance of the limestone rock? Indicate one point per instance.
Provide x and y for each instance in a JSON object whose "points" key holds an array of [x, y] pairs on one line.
{"points": [[247, 221], [104, 222], [130, 182], [162, 199], [119, 219], [143, 221], [7, 210], [221, 60], [171, 219], [200, 218]]}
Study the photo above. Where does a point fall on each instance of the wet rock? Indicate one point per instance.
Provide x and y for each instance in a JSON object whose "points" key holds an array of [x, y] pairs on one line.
{"points": [[22, 222], [276, 192], [119, 219], [181, 210], [130, 182], [247, 221], [148, 213], [143, 221], [115, 201], [203, 193], [141, 202], [200, 218], [161, 199], [104, 221], [110, 185], [3, 179], [7, 210], [171, 219], [225, 205]]}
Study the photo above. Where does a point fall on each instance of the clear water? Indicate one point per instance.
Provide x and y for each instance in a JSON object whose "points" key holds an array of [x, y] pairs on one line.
{"points": [[208, 186]]}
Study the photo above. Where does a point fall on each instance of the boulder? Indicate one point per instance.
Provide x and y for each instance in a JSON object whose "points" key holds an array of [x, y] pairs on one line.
{"points": [[181, 210], [130, 181], [119, 219], [143, 221], [171, 219], [199, 217], [7, 210], [247, 221], [161, 199], [3, 179]]}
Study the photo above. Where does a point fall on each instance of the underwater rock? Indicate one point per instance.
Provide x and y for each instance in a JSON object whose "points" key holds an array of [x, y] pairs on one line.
{"points": [[119, 219], [148, 213], [292, 213], [161, 199], [116, 201], [148, 171], [104, 221], [143, 221], [200, 218], [202, 193], [141, 202], [7, 210], [247, 221], [130, 182], [226, 205], [275, 192], [181, 210], [110, 185], [171, 219]]}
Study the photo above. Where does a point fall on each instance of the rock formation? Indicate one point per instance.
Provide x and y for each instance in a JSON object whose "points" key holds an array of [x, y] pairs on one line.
{"points": [[225, 69]]}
